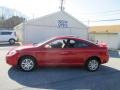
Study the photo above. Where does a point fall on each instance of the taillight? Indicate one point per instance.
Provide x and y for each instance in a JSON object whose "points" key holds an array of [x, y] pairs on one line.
{"points": [[103, 45]]}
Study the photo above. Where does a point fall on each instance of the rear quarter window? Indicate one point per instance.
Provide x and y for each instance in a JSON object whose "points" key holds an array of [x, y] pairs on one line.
{"points": [[80, 44]]}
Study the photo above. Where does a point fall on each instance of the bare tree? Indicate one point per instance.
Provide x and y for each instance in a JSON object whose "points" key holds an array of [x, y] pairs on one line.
{"points": [[11, 22]]}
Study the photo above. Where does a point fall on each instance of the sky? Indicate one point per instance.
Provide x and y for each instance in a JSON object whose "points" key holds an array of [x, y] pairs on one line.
{"points": [[90, 12]]}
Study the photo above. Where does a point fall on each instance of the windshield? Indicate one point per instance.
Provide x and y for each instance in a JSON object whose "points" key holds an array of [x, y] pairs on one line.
{"points": [[43, 42]]}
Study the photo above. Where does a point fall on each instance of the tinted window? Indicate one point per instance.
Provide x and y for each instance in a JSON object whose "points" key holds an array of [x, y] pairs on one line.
{"points": [[56, 44], [80, 44], [69, 43], [6, 33]]}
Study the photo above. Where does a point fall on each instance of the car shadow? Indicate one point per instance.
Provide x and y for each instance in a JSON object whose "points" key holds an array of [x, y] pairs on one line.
{"points": [[114, 54], [67, 78]]}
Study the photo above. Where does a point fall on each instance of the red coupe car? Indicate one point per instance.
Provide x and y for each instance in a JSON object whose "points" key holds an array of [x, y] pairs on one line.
{"points": [[59, 51]]}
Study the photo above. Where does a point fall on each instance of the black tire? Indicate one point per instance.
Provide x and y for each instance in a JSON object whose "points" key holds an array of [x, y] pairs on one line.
{"points": [[27, 63], [92, 64], [12, 41]]}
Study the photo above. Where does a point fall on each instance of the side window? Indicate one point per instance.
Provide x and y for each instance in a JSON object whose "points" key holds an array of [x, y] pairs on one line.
{"points": [[6, 33], [56, 44], [69, 43], [80, 44]]}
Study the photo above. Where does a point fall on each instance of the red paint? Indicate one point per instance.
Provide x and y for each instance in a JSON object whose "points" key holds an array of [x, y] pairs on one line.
{"points": [[59, 56]]}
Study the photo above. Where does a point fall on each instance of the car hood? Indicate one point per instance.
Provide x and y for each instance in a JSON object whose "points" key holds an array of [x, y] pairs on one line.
{"points": [[24, 47]]}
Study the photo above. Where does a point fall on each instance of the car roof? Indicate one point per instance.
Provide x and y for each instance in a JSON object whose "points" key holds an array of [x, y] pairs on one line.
{"points": [[73, 37], [68, 37]]}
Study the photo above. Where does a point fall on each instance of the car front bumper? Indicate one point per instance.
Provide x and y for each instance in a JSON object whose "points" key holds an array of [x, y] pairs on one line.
{"points": [[12, 60]]}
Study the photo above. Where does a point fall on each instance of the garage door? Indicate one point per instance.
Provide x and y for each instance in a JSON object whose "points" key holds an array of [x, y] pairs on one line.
{"points": [[111, 39]]}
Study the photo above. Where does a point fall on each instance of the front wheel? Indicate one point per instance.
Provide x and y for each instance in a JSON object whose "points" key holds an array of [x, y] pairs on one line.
{"points": [[27, 63], [12, 41], [92, 65]]}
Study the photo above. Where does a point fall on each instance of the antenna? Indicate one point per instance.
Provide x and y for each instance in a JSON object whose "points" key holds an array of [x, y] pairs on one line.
{"points": [[61, 6]]}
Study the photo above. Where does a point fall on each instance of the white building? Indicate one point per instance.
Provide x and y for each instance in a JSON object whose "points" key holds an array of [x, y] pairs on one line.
{"points": [[56, 24], [108, 34]]}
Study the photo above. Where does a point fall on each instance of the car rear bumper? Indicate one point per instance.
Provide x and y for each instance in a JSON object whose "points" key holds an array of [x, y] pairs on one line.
{"points": [[105, 59]]}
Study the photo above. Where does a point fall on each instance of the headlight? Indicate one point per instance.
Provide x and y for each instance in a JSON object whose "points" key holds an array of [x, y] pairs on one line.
{"points": [[13, 52]]}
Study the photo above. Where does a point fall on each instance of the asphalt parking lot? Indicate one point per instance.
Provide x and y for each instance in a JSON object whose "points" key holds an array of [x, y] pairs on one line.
{"points": [[65, 78]]}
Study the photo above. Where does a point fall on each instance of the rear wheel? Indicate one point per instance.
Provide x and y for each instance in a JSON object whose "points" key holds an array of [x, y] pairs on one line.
{"points": [[27, 63], [12, 41], [92, 64]]}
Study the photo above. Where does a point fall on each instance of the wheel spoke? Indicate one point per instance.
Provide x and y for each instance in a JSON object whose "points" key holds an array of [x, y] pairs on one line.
{"points": [[27, 64], [93, 65]]}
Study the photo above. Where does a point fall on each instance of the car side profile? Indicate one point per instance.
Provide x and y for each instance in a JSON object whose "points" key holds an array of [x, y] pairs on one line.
{"points": [[59, 51], [8, 36]]}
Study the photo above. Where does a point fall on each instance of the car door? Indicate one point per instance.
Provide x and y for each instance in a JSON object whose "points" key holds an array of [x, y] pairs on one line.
{"points": [[5, 36], [81, 50], [52, 54], [76, 53], [2, 37]]}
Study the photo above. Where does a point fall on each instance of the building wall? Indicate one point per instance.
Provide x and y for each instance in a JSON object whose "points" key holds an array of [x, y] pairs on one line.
{"points": [[35, 34], [19, 31], [112, 39], [105, 28], [56, 24], [102, 33], [52, 20]]}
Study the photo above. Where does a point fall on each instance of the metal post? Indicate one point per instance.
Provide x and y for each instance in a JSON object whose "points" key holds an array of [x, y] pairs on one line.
{"points": [[61, 6]]}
